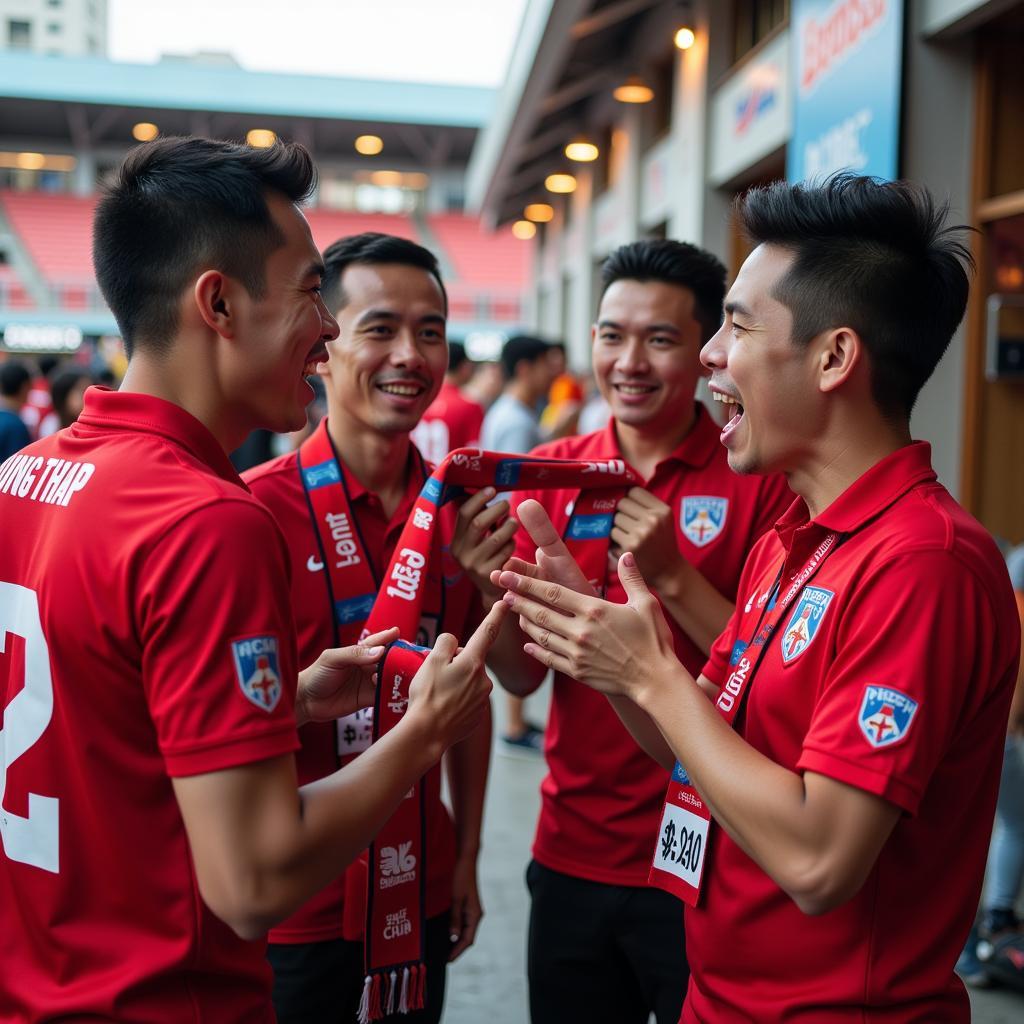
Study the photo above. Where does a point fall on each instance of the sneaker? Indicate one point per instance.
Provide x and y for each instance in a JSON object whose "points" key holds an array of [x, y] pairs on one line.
{"points": [[530, 741], [971, 970]]}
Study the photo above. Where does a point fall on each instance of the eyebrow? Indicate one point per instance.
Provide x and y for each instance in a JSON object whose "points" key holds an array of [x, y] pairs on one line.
{"points": [[663, 328], [390, 314], [737, 307]]}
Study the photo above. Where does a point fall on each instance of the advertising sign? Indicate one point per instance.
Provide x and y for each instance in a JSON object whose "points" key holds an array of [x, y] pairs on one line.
{"points": [[847, 64]]}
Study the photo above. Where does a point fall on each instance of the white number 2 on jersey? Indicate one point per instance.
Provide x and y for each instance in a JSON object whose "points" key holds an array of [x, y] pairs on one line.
{"points": [[32, 840]]}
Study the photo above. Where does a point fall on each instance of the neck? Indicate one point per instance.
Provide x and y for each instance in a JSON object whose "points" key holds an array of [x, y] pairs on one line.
{"points": [[834, 466], [10, 404], [522, 392], [377, 460], [643, 448], [191, 390]]}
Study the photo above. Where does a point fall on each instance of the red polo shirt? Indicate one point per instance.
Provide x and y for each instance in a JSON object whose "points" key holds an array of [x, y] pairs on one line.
{"points": [[897, 681], [451, 421], [278, 486], [601, 800], [132, 652]]}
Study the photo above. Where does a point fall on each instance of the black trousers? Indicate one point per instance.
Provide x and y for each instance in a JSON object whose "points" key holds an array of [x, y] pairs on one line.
{"points": [[322, 982], [604, 954]]}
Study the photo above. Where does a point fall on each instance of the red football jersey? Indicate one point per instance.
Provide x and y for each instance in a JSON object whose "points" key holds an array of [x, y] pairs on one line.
{"points": [[602, 797], [451, 421], [144, 634], [278, 485], [892, 672]]}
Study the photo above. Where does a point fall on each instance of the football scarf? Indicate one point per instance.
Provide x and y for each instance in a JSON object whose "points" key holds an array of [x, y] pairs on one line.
{"points": [[391, 901], [680, 851]]}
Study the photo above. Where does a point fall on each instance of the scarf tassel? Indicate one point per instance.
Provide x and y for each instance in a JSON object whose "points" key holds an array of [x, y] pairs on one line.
{"points": [[382, 991]]}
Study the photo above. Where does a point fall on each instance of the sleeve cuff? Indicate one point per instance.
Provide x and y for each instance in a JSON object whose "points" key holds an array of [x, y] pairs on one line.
{"points": [[283, 739], [897, 791]]}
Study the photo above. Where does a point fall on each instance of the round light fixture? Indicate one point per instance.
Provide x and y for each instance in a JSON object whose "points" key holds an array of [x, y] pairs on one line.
{"points": [[560, 184], [31, 161], [369, 145], [145, 131], [539, 213], [634, 90], [582, 151], [260, 138], [685, 38], [524, 229]]}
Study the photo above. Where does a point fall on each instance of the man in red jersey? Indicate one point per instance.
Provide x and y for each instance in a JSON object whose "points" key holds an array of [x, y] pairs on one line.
{"points": [[384, 369], [151, 824], [603, 946], [829, 831], [452, 420]]}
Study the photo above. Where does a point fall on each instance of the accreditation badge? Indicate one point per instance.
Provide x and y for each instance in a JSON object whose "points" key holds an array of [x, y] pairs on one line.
{"points": [[682, 846]]}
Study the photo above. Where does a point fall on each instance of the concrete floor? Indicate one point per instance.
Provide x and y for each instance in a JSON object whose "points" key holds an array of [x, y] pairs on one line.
{"points": [[488, 984]]}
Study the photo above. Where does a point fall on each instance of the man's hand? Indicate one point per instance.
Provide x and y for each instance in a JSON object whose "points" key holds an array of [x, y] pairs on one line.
{"points": [[341, 681], [450, 692], [467, 910], [554, 564], [616, 649], [646, 526], [479, 546]]}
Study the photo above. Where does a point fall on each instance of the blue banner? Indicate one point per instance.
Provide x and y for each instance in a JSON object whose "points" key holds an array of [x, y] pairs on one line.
{"points": [[847, 58]]}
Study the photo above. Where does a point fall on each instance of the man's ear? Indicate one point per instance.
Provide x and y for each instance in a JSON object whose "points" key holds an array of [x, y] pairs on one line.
{"points": [[214, 298], [841, 354]]}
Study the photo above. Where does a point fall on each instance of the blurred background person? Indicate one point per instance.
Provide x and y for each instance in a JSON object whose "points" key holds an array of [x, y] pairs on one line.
{"points": [[486, 384], [15, 384], [512, 424], [561, 413], [453, 420], [67, 393]]}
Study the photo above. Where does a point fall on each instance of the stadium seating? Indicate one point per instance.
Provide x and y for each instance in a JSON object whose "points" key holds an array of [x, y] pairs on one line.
{"points": [[12, 291], [57, 231], [482, 257], [330, 225]]}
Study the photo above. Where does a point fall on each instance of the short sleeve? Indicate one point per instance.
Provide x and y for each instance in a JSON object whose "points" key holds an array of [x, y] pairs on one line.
{"points": [[219, 659], [915, 660]]}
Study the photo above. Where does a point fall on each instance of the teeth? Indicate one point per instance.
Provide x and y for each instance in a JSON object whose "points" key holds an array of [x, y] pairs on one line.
{"points": [[727, 399], [633, 389], [400, 389]]}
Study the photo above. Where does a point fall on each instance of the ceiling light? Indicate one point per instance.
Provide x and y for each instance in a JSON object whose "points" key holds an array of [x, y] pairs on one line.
{"points": [[524, 229], [145, 131], [560, 184], [31, 161], [369, 145], [634, 90], [260, 138], [386, 179], [582, 151], [539, 213], [685, 38]]}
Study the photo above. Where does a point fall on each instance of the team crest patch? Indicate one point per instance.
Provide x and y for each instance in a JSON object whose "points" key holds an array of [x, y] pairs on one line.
{"points": [[885, 715], [703, 518], [257, 669], [804, 623]]}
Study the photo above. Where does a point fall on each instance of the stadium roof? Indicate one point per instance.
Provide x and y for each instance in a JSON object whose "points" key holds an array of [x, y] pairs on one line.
{"points": [[178, 85]]}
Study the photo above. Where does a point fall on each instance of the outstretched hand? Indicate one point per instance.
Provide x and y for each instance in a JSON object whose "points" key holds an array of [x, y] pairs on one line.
{"points": [[341, 681], [617, 649]]}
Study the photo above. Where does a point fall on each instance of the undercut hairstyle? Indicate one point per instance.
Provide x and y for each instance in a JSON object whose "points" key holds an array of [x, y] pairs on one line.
{"points": [[872, 256], [672, 262], [371, 248], [13, 378], [523, 348], [180, 206], [456, 356]]}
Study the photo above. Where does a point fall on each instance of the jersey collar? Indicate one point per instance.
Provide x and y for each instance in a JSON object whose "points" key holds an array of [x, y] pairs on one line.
{"points": [[108, 410], [695, 450], [869, 495]]}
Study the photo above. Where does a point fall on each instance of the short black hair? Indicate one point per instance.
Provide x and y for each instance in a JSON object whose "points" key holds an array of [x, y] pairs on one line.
{"points": [[178, 206], [373, 247], [14, 375], [678, 263], [456, 355], [522, 348], [63, 382], [873, 256]]}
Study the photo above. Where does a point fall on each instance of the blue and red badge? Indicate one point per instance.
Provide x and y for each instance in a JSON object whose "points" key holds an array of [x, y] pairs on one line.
{"points": [[702, 518], [256, 666], [803, 625], [885, 715]]}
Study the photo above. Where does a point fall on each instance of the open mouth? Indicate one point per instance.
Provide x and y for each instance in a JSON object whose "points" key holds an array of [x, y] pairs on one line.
{"points": [[317, 356], [736, 407], [632, 390]]}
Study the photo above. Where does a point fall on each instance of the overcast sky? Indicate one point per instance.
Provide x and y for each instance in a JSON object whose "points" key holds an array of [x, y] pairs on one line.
{"points": [[466, 42]]}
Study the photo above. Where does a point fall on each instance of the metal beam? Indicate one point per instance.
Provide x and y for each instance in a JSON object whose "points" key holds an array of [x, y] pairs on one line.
{"points": [[576, 90], [608, 16]]}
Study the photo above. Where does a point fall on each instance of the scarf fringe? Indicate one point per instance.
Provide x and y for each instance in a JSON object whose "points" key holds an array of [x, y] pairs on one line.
{"points": [[382, 990]]}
